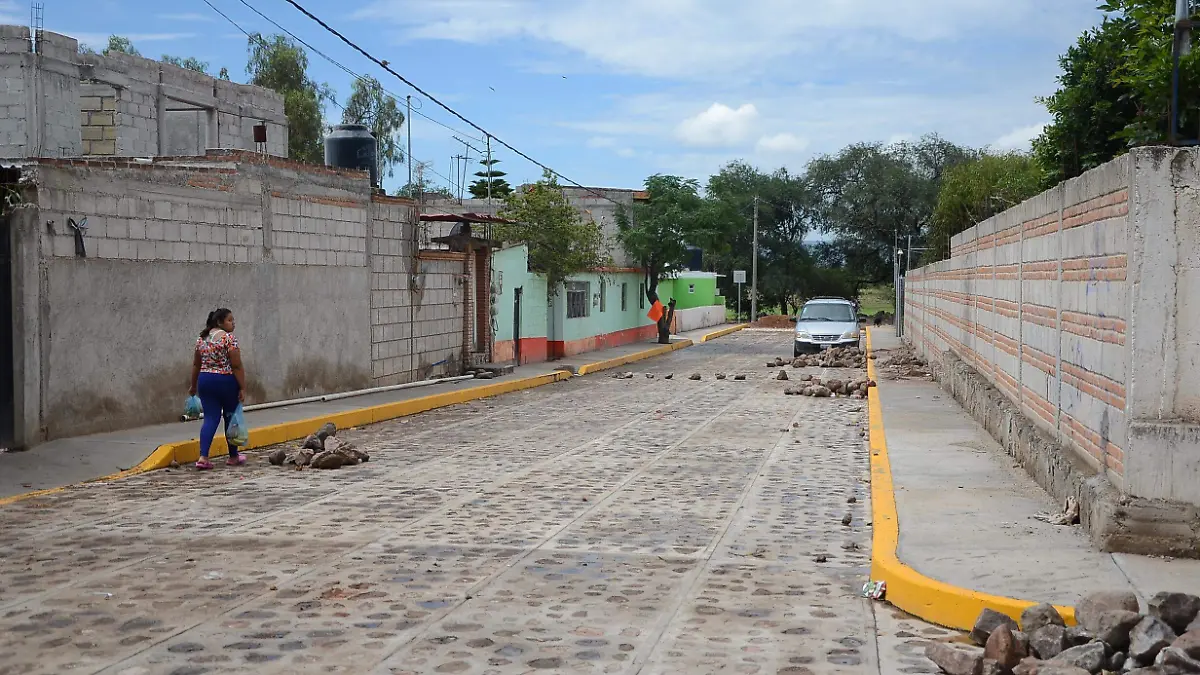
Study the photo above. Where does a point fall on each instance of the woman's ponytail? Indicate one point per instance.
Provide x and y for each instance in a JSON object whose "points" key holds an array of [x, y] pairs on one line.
{"points": [[215, 318]]}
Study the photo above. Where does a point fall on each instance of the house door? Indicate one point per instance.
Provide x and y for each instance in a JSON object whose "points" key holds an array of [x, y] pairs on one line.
{"points": [[517, 293]]}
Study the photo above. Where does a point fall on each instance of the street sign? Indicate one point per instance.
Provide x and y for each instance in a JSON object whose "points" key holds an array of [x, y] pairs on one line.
{"points": [[739, 276]]}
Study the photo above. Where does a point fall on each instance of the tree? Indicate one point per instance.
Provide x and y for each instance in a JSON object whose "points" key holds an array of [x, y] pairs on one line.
{"points": [[500, 187], [189, 63], [280, 65], [977, 190], [1092, 106], [1145, 69], [662, 227], [120, 45], [872, 196], [560, 242], [784, 207], [425, 187], [371, 106]]}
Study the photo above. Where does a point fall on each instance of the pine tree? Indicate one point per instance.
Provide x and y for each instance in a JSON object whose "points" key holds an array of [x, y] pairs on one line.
{"points": [[500, 187]]}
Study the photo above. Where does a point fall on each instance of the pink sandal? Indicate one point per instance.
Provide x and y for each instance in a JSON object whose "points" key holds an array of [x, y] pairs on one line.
{"points": [[203, 464], [236, 461]]}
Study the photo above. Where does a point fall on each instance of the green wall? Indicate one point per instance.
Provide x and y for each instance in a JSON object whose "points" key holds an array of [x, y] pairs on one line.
{"points": [[510, 270], [691, 291], [612, 319]]}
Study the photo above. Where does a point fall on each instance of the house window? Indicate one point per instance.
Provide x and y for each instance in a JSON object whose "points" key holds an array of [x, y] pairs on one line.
{"points": [[641, 296], [624, 300], [691, 288], [603, 296], [578, 297]]}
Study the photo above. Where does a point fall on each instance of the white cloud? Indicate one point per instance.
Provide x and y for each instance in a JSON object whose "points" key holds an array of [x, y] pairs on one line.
{"points": [[1020, 139], [706, 39], [782, 144], [719, 125], [601, 142]]}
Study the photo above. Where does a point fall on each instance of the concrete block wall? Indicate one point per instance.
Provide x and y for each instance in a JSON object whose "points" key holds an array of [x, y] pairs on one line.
{"points": [[392, 264], [43, 92], [98, 119], [439, 305], [1071, 305], [309, 261], [1034, 299], [39, 94]]}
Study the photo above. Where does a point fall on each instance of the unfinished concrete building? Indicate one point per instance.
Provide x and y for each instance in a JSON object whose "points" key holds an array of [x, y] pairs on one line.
{"points": [[56, 102]]}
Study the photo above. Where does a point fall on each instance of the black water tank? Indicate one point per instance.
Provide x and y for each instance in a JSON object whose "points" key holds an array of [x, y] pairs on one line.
{"points": [[351, 146], [695, 259]]}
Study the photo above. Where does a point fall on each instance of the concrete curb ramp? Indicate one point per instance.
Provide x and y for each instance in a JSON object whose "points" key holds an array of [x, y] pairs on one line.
{"points": [[184, 452], [923, 597]]}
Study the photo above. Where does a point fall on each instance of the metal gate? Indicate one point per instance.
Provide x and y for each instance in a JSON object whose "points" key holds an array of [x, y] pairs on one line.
{"points": [[7, 397]]}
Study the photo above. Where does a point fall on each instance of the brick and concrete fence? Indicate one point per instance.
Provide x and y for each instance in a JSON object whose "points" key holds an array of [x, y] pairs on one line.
{"points": [[56, 102], [315, 267], [1081, 307]]}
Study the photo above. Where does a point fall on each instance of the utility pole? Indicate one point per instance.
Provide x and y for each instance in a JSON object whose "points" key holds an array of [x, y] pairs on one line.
{"points": [[489, 172], [754, 268], [408, 123]]}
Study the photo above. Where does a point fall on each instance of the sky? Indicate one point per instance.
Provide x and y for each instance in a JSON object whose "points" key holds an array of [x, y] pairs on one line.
{"points": [[608, 92]]}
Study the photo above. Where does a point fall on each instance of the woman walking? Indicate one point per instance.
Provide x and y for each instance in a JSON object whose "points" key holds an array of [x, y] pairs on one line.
{"points": [[219, 380]]}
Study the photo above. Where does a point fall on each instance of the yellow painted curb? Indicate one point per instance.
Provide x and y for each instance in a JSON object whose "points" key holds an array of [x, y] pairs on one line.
{"points": [[928, 599], [183, 452], [619, 361], [723, 332]]}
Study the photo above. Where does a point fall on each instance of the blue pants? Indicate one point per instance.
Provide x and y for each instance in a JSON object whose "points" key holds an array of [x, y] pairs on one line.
{"points": [[219, 397]]}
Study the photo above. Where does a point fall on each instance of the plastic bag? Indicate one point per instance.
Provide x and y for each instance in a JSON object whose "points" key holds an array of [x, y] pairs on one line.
{"points": [[238, 434], [192, 408]]}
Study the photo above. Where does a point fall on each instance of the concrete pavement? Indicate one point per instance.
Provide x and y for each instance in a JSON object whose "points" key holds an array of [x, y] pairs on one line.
{"points": [[595, 526], [966, 509], [74, 460]]}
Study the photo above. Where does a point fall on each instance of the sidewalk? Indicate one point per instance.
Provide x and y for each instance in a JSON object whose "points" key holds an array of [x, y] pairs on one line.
{"points": [[965, 509], [74, 460]]}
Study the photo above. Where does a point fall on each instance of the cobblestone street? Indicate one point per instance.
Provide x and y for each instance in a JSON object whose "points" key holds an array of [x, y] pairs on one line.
{"points": [[600, 525]]}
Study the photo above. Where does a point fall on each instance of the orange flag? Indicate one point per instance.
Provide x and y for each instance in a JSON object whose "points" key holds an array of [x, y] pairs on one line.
{"points": [[656, 311]]}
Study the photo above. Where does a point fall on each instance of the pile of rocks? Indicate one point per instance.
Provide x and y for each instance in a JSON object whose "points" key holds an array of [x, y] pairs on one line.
{"points": [[904, 362], [837, 357], [813, 386], [322, 450], [1112, 636]]}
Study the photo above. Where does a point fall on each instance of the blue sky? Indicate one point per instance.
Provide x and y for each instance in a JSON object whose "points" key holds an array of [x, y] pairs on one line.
{"points": [[608, 92]]}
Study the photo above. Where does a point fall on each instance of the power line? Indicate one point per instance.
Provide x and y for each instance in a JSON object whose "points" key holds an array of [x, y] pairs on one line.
{"points": [[344, 68], [252, 36], [452, 111]]}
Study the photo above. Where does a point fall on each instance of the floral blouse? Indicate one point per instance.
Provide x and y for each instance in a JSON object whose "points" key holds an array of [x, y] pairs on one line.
{"points": [[214, 352]]}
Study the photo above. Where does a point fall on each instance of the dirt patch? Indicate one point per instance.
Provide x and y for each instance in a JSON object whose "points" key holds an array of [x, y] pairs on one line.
{"points": [[773, 321]]}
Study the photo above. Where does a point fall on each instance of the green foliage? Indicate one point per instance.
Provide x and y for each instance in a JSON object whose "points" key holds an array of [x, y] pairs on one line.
{"points": [[1145, 69], [370, 105], [663, 226], [224, 74], [120, 45], [1091, 108], [977, 190], [500, 187], [280, 65], [1115, 90], [560, 242], [784, 208], [189, 63], [426, 188], [871, 196]]}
